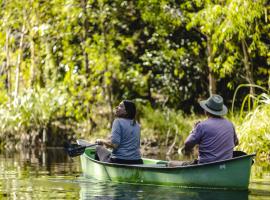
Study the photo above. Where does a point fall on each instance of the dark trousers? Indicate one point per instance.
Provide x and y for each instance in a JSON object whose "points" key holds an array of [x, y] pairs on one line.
{"points": [[104, 155]]}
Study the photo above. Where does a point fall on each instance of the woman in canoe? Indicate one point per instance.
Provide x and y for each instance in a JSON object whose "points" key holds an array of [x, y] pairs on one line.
{"points": [[215, 136], [125, 137]]}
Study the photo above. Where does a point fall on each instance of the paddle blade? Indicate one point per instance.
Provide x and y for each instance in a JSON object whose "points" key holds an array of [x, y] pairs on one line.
{"points": [[83, 142], [74, 150]]}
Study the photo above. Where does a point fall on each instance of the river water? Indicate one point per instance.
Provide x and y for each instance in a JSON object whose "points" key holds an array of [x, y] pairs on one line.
{"points": [[51, 174]]}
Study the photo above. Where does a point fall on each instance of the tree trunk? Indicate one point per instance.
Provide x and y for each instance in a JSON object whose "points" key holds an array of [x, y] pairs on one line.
{"points": [[33, 64], [211, 76], [108, 86], [50, 70], [85, 36], [248, 68], [212, 83], [8, 77], [269, 82], [19, 59], [86, 62]]}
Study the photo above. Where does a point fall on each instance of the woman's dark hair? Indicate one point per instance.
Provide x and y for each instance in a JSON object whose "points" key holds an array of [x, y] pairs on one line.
{"points": [[130, 109]]}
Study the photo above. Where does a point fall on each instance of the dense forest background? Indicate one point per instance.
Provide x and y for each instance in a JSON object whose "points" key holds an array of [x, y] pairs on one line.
{"points": [[65, 65]]}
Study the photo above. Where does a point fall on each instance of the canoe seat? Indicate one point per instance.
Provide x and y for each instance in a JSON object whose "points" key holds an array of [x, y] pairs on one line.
{"points": [[153, 165]]}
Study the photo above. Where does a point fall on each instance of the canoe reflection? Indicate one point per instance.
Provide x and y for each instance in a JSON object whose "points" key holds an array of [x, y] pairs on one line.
{"points": [[108, 190]]}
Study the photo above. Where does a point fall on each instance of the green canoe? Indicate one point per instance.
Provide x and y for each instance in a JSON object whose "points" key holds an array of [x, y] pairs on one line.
{"points": [[227, 174]]}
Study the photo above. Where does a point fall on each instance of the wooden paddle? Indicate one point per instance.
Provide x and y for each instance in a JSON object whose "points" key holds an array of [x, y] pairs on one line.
{"points": [[76, 149]]}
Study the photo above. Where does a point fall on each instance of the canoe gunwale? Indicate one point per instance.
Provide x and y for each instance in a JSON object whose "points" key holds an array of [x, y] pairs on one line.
{"points": [[144, 166]]}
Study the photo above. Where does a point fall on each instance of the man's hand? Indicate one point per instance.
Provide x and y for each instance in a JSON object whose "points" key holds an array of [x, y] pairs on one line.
{"points": [[184, 151]]}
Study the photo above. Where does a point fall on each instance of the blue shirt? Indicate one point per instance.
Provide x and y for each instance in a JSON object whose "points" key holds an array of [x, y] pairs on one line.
{"points": [[127, 136], [216, 139]]}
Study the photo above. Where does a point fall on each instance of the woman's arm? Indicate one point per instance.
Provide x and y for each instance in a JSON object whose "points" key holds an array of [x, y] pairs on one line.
{"points": [[107, 143]]}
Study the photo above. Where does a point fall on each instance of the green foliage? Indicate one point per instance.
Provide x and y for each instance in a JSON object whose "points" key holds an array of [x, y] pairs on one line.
{"points": [[32, 111], [165, 124], [234, 38], [253, 130], [237, 26], [96, 53]]}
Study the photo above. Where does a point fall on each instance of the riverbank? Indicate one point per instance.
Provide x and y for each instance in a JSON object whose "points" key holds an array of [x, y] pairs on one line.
{"points": [[161, 127]]}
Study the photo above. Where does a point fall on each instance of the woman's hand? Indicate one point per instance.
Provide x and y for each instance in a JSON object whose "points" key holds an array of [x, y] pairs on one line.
{"points": [[100, 141]]}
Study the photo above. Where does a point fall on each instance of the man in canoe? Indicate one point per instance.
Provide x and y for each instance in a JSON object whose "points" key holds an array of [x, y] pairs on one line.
{"points": [[125, 137], [215, 136]]}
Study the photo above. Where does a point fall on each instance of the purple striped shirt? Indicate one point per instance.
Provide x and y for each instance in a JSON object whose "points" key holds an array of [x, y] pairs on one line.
{"points": [[216, 138]]}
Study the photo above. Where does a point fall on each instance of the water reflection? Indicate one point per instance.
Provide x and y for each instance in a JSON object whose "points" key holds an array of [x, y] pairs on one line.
{"points": [[34, 174], [51, 174], [98, 190]]}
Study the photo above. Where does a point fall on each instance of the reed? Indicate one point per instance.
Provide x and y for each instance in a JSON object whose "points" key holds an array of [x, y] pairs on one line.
{"points": [[253, 124]]}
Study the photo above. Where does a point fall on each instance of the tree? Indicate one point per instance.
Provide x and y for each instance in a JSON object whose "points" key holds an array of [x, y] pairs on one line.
{"points": [[205, 21], [244, 30]]}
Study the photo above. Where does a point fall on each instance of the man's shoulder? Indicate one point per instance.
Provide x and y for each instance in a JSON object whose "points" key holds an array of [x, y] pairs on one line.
{"points": [[215, 121]]}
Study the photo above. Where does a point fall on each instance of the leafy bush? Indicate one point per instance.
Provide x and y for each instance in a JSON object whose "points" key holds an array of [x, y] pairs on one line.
{"points": [[165, 124], [31, 111]]}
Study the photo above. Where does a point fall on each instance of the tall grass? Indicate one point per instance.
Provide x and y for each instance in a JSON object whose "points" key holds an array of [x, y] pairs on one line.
{"points": [[30, 112], [253, 125], [249, 101]]}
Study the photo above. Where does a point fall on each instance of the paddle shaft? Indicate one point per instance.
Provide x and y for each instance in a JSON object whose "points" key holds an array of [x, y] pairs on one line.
{"points": [[78, 150]]}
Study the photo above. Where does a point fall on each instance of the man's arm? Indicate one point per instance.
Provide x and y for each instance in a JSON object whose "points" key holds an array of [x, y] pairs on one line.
{"points": [[191, 140], [187, 149]]}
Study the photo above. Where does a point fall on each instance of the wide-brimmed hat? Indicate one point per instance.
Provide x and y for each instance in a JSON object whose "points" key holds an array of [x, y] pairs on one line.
{"points": [[214, 105]]}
